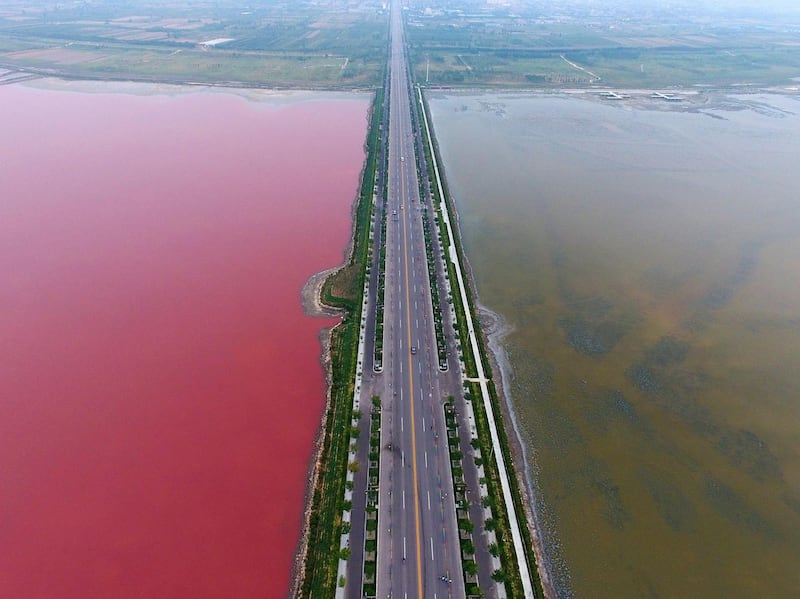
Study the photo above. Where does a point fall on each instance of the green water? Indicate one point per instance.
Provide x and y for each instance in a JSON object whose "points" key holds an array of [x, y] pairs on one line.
{"points": [[648, 260]]}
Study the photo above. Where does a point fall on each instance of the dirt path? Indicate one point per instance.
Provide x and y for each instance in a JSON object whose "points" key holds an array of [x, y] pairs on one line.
{"points": [[595, 76]]}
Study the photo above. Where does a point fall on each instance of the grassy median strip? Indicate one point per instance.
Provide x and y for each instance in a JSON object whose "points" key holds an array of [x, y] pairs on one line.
{"points": [[445, 242], [380, 295], [371, 524], [500, 523], [342, 290], [441, 343]]}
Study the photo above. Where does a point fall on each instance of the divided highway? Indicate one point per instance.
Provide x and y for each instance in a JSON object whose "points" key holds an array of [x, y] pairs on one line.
{"points": [[418, 549], [419, 554]]}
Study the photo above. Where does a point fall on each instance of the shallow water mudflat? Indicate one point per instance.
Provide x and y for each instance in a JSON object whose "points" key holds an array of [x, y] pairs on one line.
{"points": [[160, 384], [648, 259]]}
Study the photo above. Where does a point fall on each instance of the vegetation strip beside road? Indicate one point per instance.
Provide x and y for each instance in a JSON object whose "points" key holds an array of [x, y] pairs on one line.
{"points": [[380, 296], [466, 526], [370, 569], [509, 558], [438, 323], [344, 291]]}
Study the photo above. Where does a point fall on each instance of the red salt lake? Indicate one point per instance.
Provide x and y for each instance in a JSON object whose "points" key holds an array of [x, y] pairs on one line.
{"points": [[160, 385]]}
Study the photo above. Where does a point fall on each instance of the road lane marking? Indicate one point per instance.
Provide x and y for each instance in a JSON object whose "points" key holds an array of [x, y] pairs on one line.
{"points": [[417, 534], [423, 423], [426, 459], [432, 549], [429, 500], [401, 424], [404, 507]]}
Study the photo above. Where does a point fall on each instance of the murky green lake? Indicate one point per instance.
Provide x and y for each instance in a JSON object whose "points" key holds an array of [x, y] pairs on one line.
{"points": [[647, 257]]}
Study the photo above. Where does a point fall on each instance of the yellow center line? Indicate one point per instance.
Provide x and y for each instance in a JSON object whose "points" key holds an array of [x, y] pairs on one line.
{"points": [[411, 382]]}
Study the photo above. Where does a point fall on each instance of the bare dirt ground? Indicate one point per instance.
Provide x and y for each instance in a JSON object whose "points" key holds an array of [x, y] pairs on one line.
{"points": [[57, 55]]}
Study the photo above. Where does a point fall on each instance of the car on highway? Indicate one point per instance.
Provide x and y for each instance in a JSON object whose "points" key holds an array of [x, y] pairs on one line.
{"points": [[413, 349]]}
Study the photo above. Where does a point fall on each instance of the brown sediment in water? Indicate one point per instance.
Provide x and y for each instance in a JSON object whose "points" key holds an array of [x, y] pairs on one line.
{"points": [[642, 257], [495, 329]]}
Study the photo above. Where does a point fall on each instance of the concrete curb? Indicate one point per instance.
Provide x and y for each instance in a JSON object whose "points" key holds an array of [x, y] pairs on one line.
{"points": [[519, 546]]}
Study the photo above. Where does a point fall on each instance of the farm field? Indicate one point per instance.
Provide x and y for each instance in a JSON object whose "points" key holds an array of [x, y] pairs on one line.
{"points": [[299, 44], [617, 45]]}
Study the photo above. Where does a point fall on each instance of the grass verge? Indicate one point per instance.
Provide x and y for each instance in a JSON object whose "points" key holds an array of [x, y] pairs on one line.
{"points": [[500, 523], [342, 290]]}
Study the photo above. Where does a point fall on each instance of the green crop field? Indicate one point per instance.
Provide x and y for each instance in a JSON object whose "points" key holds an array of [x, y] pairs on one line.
{"points": [[573, 43], [339, 44], [272, 44]]}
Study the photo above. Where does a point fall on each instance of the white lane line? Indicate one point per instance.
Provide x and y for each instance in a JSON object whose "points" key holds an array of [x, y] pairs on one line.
{"points": [[426, 459], [401, 424], [401, 367], [417, 321], [423, 423], [404, 548], [429, 500], [404, 507], [431, 548]]}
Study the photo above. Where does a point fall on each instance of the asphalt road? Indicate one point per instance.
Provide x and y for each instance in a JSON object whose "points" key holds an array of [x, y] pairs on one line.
{"points": [[418, 544], [418, 535]]}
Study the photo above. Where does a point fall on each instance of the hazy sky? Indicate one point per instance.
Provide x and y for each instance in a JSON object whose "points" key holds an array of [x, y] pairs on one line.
{"points": [[793, 5]]}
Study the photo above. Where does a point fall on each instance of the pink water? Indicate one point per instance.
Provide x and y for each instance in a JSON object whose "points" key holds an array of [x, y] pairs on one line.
{"points": [[160, 385]]}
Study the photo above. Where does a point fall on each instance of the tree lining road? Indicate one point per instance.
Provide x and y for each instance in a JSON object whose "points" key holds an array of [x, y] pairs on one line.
{"points": [[419, 552], [418, 535]]}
